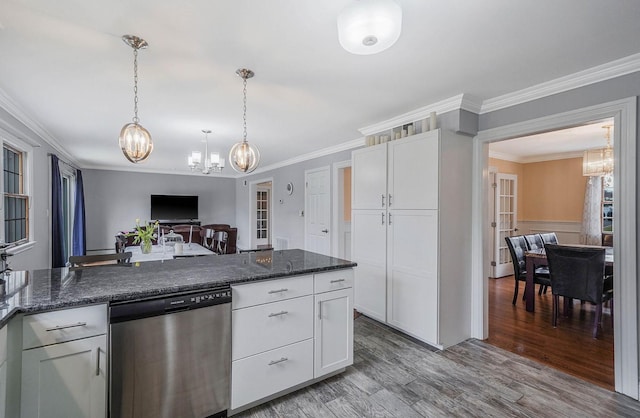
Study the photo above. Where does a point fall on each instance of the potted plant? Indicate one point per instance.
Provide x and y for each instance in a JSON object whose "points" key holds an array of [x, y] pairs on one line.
{"points": [[144, 235]]}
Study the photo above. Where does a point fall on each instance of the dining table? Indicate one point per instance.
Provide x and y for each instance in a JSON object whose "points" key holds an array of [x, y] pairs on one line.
{"points": [[537, 258], [167, 252]]}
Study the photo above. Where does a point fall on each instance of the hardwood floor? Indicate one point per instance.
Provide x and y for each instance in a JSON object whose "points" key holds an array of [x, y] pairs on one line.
{"points": [[569, 347], [395, 376]]}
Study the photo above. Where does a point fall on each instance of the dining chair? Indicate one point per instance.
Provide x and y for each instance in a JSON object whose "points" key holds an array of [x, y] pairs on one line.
{"points": [[220, 239], [99, 259], [579, 273], [534, 242], [549, 238], [207, 235], [517, 247]]}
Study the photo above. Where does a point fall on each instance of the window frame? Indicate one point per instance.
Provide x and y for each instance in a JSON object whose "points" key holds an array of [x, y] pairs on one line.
{"points": [[26, 152]]}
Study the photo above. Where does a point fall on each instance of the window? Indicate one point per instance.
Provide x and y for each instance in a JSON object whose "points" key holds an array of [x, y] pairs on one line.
{"points": [[262, 214], [16, 199], [607, 205]]}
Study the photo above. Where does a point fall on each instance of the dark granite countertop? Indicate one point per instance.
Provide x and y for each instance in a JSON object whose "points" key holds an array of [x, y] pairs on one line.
{"points": [[43, 290]]}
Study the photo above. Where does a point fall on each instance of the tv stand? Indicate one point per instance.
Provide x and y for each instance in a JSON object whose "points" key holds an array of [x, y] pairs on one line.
{"points": [[172, 222]]}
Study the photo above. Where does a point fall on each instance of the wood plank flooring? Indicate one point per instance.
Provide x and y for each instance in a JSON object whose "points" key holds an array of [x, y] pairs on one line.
{"points": [[395, 376], [569, 347]]}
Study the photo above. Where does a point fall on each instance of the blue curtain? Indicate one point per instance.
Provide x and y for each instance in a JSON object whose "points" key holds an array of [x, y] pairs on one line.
{"points": [[58, 256], [79, 226]]}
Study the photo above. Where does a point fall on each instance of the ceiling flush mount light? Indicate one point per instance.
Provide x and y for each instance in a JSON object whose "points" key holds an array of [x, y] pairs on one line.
{"points": [[244, 157], [599, 162], [212, 163], [135, 141], [369, 26]]}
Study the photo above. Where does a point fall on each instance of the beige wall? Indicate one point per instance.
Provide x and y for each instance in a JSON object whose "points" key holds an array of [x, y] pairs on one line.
{"points": [[547, 190], [347, 194]]}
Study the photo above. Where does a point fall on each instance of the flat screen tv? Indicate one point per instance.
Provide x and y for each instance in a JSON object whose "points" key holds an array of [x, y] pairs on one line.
{"points": [[173, 207]]}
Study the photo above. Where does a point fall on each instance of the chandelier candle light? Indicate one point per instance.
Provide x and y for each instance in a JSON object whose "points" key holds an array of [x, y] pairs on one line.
{"points": [[212, 163], [135, 141], [243, 156], [599, 162]]}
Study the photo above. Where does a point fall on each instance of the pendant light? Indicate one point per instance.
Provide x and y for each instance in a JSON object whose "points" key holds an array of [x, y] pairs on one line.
{"points": [[212, 163], [599, 162], [135, 141], [243, 156], [369, 26]]}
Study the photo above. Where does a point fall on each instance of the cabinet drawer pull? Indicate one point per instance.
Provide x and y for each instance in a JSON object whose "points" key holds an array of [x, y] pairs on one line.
{"points": [[383, 200], [382, 218], [278, 313], [277, 291], [59, 327], [389, 199], [282, 360], [337, 280], [97, 361]]}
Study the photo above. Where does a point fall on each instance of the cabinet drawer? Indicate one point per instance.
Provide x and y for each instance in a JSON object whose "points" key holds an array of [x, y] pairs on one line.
{"points": [[258, 376], [333, 280], [264, 327], [65, 325], [257, 293]]}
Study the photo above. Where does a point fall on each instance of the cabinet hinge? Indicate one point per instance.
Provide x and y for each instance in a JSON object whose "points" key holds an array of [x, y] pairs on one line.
{"points": [[494, 185], [493, 224], [493, 264]]}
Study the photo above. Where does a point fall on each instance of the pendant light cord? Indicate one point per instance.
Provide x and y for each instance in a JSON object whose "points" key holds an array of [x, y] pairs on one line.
{"points": [[135, 86], [244, 109]]}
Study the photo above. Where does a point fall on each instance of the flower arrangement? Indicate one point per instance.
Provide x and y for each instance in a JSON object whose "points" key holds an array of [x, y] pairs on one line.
{"points": [[144, 235]]}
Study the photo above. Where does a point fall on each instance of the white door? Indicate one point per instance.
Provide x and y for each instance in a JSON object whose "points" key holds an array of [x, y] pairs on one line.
{"points": [[505, 222], [318, 211], [412, 273], [263, 216], [333, 341], [369, 250], [65, 380]]}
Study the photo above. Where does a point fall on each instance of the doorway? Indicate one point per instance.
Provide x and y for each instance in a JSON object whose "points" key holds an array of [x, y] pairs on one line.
{"points": [[261, 213], [624, 114], [341, 215], [550, 168]]}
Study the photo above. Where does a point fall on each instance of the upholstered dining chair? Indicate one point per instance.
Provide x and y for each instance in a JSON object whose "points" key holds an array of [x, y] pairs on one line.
{"points": [[549, 238], [207, 235], [220, 239], [534, 242], [517, 246], [579, 273]]}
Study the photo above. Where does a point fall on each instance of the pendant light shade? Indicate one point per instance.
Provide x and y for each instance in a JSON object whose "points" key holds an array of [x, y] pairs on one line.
{"points": [[134, 140], [369, 26], [244, 157]]}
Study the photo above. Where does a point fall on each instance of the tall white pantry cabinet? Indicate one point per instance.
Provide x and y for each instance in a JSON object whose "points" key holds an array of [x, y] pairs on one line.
{"points": [[411, 234]]}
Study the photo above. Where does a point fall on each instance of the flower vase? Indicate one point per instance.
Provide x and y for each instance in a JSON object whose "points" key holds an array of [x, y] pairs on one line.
{"points": [[145, 247]]}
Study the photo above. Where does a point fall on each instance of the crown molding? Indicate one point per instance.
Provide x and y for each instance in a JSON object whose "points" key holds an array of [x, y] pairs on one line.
{"points": [[137, 169], [534, 158], [12, 108], [461, 101], [613, 69]]}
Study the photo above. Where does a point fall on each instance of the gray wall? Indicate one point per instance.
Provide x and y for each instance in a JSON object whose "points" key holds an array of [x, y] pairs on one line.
{"points": [[286, 220], [114, 199]]}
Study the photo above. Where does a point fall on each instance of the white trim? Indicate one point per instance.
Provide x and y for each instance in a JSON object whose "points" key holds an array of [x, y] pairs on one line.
{"points": [[613, 69], [535, 158], [21, 248], [461, 101], [625, 269], [253, 187], [335, 196]]}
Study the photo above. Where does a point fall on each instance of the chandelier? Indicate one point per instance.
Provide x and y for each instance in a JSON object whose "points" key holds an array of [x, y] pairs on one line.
{"points": [[599, 162], [135, 141], [369, 26], [244, 157], [212, 162]]}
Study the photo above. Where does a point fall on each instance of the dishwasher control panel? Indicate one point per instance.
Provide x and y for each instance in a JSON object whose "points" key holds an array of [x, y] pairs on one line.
{"points": [[197, 300]]}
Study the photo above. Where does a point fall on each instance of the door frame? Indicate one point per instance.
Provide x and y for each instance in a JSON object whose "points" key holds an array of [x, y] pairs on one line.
{"points": [[253, 189], [624, 114], [337, 191]]}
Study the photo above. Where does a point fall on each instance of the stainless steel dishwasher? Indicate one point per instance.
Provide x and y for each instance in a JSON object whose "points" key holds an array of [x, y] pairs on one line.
{"points": [[171, 357]]}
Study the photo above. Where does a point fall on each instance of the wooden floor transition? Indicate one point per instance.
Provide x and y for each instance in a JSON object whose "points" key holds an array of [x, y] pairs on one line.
{"points": [[395, 376], [569, 347]]}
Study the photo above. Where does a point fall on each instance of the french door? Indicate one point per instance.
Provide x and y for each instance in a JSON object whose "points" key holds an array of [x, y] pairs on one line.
{"points": [[504, 223]]}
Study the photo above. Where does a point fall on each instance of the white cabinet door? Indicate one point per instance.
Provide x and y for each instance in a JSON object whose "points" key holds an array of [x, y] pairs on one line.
{"points": [[369, 177], [3, 388], [412, 273], [333, 341], [369, 251], [65, 380], [413, 173]]}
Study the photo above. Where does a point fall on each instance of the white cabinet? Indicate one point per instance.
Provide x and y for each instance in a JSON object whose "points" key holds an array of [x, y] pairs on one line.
{"points": [[369, 172], [65, 375], [413, 254], [333, 342], [277, 344]]}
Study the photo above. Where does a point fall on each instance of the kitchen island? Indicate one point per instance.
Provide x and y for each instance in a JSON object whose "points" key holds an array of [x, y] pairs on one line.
{"points": [[325, 282]]}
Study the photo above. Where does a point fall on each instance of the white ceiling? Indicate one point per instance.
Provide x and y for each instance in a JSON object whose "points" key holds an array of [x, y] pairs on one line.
{"points": [[62, 62]]}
